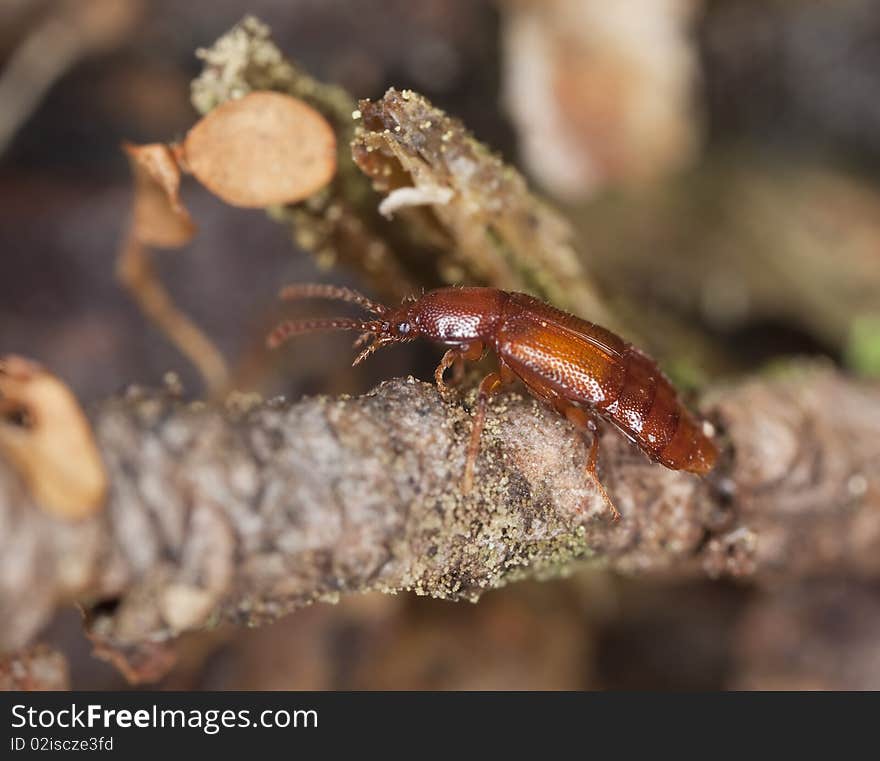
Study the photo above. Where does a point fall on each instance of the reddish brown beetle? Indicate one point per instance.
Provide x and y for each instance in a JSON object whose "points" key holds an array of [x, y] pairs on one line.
{"points": [[579, 368]]}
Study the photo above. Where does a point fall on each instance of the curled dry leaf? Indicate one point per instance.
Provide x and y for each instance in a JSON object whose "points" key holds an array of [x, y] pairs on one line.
{"points": [[262, 150], [160, 218], [45, 435]]}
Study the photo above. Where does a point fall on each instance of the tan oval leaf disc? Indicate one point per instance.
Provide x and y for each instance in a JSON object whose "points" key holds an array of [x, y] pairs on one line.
{"points": [[263, 149]]}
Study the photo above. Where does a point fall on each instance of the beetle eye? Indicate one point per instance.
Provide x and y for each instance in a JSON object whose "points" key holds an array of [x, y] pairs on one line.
{"points": [[403, 328], [385, 327]]}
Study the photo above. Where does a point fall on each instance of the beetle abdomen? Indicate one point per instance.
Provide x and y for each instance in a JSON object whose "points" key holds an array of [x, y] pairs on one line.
{"points": [[649, 411], [560, 356]]}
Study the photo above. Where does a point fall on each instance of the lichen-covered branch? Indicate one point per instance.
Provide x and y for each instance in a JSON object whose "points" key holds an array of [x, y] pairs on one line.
{"points": [[245, 512], [340, 224], [498, 231], [461, 214]]}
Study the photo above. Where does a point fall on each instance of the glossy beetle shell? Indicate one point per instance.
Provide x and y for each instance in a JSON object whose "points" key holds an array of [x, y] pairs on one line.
{"points": [[577, 367], [565, 360]]}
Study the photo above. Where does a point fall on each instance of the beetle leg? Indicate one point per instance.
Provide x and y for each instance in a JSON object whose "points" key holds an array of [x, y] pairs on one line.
{"points": [[583, 421], [490, 384], [362, 339], [455, 358], [449, 359]]}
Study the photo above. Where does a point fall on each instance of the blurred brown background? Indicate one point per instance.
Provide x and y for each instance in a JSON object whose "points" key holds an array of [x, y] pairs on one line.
{"points": [[720, 161]]}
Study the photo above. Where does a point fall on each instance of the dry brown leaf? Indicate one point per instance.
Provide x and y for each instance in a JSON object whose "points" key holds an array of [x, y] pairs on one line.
{"points": [[45, 435], [135, 270], [160, 218], [262, 150]]}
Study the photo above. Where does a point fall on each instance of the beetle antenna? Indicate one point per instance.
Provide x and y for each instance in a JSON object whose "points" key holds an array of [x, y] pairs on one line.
{"points": [[362, 339], [335, 292], [289, 328]]}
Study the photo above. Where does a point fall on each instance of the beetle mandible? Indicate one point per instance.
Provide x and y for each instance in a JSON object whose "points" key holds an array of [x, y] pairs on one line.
{"points": [[582, 370]]}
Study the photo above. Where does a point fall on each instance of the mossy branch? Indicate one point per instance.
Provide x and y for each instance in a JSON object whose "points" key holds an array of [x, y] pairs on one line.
{"points": [[245, 512], [467, 217]]}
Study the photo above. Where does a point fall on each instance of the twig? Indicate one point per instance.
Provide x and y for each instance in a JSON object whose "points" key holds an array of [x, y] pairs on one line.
{"points": [[475, 219], [498, 231], [340, 224], [244, 514], [69, 32], [135, 270]]}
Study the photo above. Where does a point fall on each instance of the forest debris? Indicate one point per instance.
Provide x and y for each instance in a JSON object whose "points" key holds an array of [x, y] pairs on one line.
{"points": [[339, 225], [140, 662], [601, 93], [38, 667], [261, 150], [481, 225], [67, 32], [742, 242], [266, 510], [160, 218], [784, 482], [497, 230], [45, 435], [863, 344], [817, 636]]}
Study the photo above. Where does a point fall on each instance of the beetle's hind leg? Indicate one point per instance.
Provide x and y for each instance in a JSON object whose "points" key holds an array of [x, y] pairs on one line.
{"points": [[584, 422]]}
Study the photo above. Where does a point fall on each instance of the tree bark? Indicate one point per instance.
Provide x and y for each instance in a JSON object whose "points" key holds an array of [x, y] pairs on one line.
{"points": [[245, 511]]}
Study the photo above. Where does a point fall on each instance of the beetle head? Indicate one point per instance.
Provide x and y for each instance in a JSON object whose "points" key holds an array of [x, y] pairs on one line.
{"points": [[390, 326]]}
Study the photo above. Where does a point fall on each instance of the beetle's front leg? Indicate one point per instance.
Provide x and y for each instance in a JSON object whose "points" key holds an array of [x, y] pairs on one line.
{"points": [[455, 358], [449, 359], [491, 383]]}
